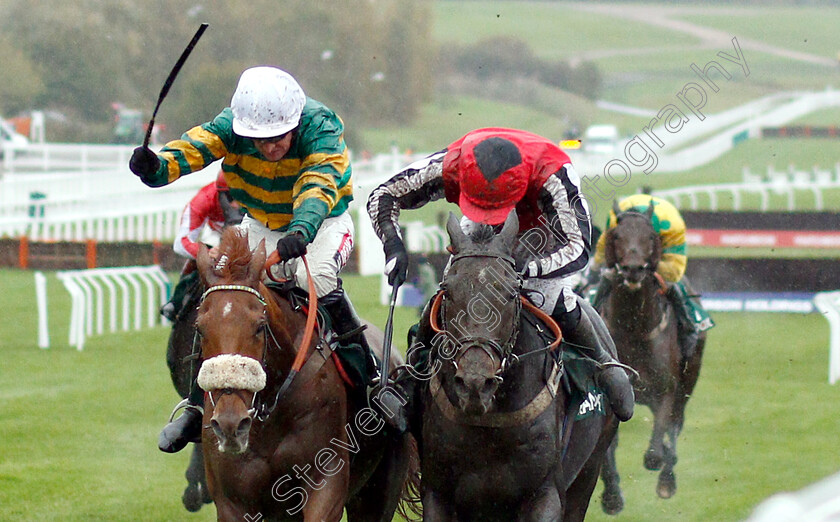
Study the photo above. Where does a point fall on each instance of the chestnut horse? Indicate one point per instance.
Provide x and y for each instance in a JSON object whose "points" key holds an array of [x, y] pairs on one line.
{"points": [[500, 439], [643, 325], [300, 452]]}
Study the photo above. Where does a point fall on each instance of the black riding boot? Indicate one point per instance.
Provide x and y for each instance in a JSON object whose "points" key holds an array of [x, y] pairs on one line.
{"points": [[687, 332], [180, 296], [344, 321], [579, 329], [186, 428]]}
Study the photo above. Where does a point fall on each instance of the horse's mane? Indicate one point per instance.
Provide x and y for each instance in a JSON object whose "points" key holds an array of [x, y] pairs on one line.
{"points": [[234, 255]]}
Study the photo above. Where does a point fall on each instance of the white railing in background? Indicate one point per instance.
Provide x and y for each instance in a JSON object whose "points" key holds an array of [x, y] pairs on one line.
{"points": [[49, 157], [779, 183], [128, 289], [72, 192], [828, 303], [81, 202], [722, 129]]}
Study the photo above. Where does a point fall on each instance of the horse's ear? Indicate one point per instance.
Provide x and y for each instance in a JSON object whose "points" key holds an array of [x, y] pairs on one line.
{"points": [[255, 267], [205, 264], [456, 235], [616, 209], [609, 248], [505, 238], [511, 227], [649, 211], [656, 252]]}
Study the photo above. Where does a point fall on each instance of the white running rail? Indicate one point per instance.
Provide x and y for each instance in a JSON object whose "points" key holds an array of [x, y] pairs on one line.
{"points": [[127, 289], [828, 303]]}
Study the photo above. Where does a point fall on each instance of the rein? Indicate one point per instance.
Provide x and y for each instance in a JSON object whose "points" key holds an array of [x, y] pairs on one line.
{"points": [[308, 332]]}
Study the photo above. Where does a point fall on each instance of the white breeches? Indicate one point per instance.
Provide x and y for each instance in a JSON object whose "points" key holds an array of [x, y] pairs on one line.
{"points": [[326, 254]]}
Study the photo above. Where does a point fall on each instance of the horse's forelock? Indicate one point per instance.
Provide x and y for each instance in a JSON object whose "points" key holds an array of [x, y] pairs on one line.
{"points": [[482, 233], [235, 255]]}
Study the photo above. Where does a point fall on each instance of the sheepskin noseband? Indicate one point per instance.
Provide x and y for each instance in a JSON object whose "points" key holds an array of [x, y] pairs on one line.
{"points": [[230, 371]]}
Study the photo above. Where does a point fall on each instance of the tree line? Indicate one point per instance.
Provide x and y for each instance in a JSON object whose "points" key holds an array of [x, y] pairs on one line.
{"points": [[374, 62], [75, 60]]}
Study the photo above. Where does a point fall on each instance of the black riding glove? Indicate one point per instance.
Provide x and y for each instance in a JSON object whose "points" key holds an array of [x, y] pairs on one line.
{"points": [[291, 246], [396, 261], [144, 162]]}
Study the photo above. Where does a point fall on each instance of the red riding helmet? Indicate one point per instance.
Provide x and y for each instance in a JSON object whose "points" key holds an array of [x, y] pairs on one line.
{"points": [[492, 178], [221, 182]]}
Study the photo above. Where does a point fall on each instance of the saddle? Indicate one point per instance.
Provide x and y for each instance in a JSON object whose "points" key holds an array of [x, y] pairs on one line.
{"points": [[348, 356], [577, 374]]}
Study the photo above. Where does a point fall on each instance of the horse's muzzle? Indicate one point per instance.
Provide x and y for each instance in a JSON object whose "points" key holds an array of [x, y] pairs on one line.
{"points": [[632, 275], [231, 424]]}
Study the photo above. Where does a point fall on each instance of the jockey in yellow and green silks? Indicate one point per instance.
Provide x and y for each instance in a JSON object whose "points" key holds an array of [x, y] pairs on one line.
{"points": [[669, 224]]}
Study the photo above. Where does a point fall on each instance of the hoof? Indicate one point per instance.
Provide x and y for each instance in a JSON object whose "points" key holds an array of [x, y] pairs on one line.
{"points": [[653, 461], [667, 486], [612, 503], [193, 497]]}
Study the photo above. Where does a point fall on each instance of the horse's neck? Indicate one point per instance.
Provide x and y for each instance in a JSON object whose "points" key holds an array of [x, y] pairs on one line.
{"points": [[525, 377], [637, 310]]}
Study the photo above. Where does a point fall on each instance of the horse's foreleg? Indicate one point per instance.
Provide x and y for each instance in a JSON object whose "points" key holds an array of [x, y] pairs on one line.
{"points": [[667, 485], [327, 503], [435, 508], [612, 501], [197, 493], [662, 421], [545, 504]]}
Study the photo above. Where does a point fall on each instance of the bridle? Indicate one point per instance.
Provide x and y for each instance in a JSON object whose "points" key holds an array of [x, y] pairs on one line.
{"points": [[495, 349], [259, 409], [649, 272], [648, 268]]}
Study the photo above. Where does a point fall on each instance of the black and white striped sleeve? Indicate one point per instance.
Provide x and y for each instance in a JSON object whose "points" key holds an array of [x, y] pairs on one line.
{"points": [[567, 215], [411, 188]]}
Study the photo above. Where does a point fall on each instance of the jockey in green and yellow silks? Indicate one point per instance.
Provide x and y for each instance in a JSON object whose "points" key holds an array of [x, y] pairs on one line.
{"points": [[669, 224]]}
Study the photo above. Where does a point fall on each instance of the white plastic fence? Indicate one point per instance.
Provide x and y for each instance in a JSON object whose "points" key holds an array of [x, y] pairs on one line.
{"points": [[132, 295], [828, 303], [786, 184], [47, 157]]}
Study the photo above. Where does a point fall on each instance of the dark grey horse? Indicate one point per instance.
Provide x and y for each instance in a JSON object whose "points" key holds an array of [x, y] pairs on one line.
{"points": [[499, 435]]}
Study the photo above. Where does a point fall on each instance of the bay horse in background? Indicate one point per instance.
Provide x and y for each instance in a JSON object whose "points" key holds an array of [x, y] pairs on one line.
{"points": [[643, 325], [182, 355], [290, 453], [499, 437]]}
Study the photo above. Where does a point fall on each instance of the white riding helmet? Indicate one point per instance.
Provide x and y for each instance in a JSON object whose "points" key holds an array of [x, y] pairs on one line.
{"points": [[267, 103]]}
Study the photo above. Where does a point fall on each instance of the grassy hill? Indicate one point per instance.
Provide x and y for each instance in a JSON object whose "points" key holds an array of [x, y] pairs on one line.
{"points": [[642, 65]]}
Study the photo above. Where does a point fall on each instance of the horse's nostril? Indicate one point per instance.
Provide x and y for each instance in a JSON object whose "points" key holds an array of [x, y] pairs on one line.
{"points": [[489, 385], [244, 425], [217, 428], [459, 381]]}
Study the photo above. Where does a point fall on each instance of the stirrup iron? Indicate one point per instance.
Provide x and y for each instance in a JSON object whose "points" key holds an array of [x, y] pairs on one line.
{"points": [[185, 404]]}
